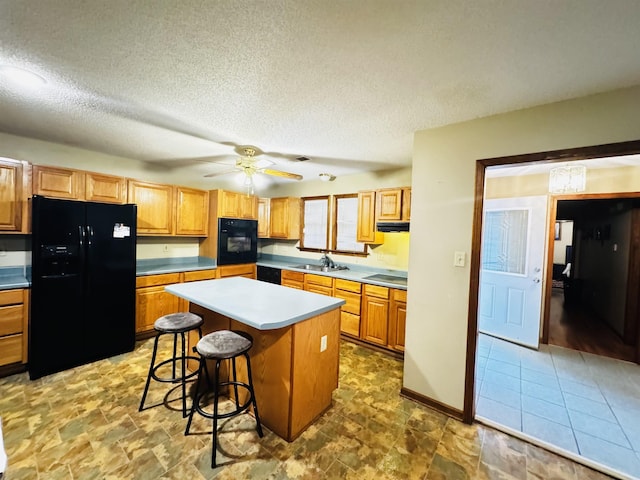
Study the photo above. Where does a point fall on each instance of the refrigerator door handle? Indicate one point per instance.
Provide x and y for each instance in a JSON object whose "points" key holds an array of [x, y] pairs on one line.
{"points": [[90, 241], [81, 235]]}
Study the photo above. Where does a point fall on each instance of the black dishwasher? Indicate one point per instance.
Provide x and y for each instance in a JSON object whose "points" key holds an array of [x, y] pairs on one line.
{"points": [[269, 274]]}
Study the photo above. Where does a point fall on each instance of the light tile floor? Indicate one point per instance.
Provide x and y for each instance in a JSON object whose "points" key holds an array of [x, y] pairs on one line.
{"points": [[583, 403], [84, 424]]}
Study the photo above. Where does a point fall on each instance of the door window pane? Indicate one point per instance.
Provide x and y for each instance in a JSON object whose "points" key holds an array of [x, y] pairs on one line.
{"points": [[504, 241]]}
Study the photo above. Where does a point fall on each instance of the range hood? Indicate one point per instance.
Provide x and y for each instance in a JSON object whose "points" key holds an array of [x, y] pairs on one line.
{"points": [[392, 226]]}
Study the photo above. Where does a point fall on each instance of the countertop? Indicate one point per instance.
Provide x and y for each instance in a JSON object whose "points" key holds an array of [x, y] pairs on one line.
{"points": [[13, 277], [356, 273], [261, 305], [154, 266]]}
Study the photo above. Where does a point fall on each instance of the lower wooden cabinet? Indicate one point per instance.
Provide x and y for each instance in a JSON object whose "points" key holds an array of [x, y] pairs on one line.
{"points": [[292, 279], [152, 301], [248, 270], [318, 284], [350, 292], [375, 314], [397, 319], [14, 320]]}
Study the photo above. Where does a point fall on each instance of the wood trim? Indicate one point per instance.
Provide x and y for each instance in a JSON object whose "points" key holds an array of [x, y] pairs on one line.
{"points": [[378, 348], [548, 277], [579, 153], [431, 403]]}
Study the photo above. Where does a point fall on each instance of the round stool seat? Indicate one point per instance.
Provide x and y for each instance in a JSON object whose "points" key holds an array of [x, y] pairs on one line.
{"points": [[224, 344], [178, 322]]}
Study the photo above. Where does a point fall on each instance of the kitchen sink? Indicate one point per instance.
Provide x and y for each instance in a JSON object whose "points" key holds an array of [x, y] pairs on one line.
{"points": [[320, 268]]}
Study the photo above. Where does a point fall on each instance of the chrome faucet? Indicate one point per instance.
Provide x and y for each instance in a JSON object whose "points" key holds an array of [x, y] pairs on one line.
{"points": [[325, 261]]}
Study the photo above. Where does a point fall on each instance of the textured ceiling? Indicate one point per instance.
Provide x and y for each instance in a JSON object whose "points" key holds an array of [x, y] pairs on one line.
{"points": [[345, 83]]}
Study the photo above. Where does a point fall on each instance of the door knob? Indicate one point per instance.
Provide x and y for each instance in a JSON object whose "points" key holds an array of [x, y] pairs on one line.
{"points": [[536, 280]]}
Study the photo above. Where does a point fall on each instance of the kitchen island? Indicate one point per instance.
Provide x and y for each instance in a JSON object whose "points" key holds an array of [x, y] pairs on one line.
{"points": [[295, 351]]}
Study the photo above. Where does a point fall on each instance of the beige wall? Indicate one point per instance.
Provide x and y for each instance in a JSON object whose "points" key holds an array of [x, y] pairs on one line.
{"points": [[442, 201]]}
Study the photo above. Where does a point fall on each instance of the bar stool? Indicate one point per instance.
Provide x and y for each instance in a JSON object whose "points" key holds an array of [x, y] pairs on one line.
{"points": [[219, 346], [176, 324]]}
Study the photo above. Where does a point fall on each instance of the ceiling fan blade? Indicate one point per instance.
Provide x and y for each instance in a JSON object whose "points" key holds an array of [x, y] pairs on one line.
{"points": [[278, 173], [218, 174]]}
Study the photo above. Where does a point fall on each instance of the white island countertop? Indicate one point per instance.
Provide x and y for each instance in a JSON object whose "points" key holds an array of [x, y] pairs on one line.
{"points": [[261, 305]]}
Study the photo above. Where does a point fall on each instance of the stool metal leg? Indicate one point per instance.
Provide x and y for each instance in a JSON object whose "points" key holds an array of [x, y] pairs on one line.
{"points": [[253, 396], [235, 379], [195, 397], [216, 380], [184, 376], [153, 361]]}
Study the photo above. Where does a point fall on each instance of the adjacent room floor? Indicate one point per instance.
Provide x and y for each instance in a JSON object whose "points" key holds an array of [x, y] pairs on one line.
{"points": [[583, 403], [84, 424]]}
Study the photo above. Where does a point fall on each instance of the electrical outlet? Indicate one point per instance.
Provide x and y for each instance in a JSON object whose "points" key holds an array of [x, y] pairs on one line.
{"points": [[323, 343], [165, 248]]}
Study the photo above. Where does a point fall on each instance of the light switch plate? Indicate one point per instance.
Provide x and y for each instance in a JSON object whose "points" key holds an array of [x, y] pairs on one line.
{"points": [[458, 259]]}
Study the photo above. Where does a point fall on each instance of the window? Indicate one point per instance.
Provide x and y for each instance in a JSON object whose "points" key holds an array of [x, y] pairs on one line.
{"points": [[330, 224]]}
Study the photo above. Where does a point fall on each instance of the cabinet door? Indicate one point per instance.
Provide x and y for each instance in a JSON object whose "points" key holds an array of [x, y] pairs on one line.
{"points": [[406, 204], [389, 204], [375, 317], [284, 218], [192, 212], [366, 232], [58, 182], [105, 188], [155, 207], [229, 204], [11, 196], [263, 218], [248, 206], [152, 303], [397, 319]]}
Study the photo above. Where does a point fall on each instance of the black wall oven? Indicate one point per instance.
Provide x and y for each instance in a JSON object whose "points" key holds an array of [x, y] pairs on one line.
{"points": [[237, 241]]}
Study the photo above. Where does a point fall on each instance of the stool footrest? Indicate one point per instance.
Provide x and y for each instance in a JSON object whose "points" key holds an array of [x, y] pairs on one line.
{"points": [[238, 409], [173, 379]]}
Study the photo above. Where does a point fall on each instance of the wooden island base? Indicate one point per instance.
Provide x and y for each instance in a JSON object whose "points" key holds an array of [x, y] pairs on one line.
{"points": [[293, 379]]}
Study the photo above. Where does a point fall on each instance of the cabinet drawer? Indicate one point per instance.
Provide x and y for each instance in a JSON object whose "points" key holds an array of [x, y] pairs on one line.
{"points": [[152, 280], [291, 275], [199, 275], [399, 295], [246, 269], [318, 289], [11, 349], [350, 323], [352, 299], [376, 291], [318, 280], [11, 319], [348, 285], [11, 297], [292, 284]]}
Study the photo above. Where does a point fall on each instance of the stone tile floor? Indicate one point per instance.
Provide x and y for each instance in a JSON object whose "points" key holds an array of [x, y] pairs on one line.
{"points": [[84, 424]]}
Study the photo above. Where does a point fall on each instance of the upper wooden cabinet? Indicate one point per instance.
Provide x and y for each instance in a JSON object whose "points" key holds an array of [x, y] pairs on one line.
{"points": [[234, 205], [263, 217], [58, 182], [393, 204], [155, 207], [366, 232], [105, 188], [14, 191], [169, 210], [192, 212], [284, 218]]}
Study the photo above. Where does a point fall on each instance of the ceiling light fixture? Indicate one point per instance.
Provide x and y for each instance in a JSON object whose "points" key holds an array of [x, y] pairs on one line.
{"points": [[21, 76], [327, 177], [568, 179]]}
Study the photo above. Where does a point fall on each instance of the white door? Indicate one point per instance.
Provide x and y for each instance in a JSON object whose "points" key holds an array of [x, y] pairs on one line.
{"points": [[513, 240]]}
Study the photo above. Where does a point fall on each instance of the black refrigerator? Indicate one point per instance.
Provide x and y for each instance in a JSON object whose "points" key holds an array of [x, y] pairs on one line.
{"points": [[83, 283]]}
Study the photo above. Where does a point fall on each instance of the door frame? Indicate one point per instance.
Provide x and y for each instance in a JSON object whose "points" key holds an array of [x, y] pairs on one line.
{"points": [[632, 309], [554, 156]]}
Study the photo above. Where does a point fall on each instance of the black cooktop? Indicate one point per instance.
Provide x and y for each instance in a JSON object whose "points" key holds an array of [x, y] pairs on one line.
{"points": [[387, 278]]}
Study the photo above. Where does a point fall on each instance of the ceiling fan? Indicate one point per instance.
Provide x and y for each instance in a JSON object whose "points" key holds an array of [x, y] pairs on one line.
{"points": [[248, 164]]}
